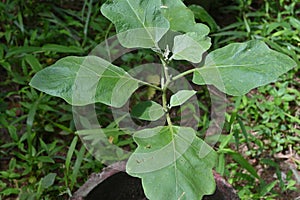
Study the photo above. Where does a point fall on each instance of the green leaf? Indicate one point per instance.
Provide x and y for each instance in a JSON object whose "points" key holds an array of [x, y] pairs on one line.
{"points": [[221, 164], [267, 188], [295, 23], [22, 50], [86, 80], [33, 62], [139, 23], [181, 18], [62, 49], [47, 47], [173, 163], [195, 42], [13, 133], [181, 97], [48, 180], [148, 110], [10, 191], [201, 14], [100, 146], [190, 47], [292, 118], [45, 159], [245, 164], [70, 154], [77, 165], [237, 68]]}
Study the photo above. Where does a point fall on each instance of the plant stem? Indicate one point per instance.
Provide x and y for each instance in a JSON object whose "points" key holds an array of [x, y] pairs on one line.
{"points": [[164, 93], [150, 85], [166, 72], [106, 41], [184, 74], [165, 85], [164, 102]]}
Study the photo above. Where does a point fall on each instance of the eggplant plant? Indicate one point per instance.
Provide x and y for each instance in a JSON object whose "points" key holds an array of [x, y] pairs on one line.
{"points": [[172, 161]]}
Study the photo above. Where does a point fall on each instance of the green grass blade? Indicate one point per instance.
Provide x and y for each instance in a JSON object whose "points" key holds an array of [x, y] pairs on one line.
{"points": [[69, 158], [245, 164], [77, 166]]}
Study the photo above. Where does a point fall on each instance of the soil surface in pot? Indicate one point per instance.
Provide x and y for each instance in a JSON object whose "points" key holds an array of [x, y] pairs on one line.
{"points": [[121, 186]]}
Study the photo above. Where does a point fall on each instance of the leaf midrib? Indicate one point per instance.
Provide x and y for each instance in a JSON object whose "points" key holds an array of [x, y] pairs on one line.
{"points": [[141, 20]]}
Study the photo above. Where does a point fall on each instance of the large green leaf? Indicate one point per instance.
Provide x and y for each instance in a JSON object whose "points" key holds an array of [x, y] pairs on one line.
{"points": [[86, 80], [148, 110], [237, 68], [139, 23], [172, 163]]}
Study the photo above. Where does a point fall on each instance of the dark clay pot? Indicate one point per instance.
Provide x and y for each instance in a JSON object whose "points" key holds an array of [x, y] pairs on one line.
{"points": [[114, 184]]}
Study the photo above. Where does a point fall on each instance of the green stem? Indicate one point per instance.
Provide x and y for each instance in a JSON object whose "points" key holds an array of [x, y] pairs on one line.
{"points": [[165, 107], [164, 93], [165, 85], [106, 41], [166, 73], [184, 74], [150, 85]]}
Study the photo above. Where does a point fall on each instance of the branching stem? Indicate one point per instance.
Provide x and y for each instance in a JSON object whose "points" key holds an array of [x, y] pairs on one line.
{"points": [[164, 93]]}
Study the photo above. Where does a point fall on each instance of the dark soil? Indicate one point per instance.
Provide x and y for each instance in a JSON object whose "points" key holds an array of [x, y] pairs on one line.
{"points": [[121, 186]]}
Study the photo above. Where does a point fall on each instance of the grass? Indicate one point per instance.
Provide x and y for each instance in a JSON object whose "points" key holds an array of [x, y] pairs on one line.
{"points": [[266, 132], [42, 158]]}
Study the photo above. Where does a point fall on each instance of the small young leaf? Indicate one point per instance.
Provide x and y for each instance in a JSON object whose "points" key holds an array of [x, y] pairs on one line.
{"points": [[48, 180], [268, 188], [167, 158], [33, 62], [148, 110], [139, 23], [237, 68], [181, 97], [13, 133], [194, 43], [45, 159], [86, 80]]}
